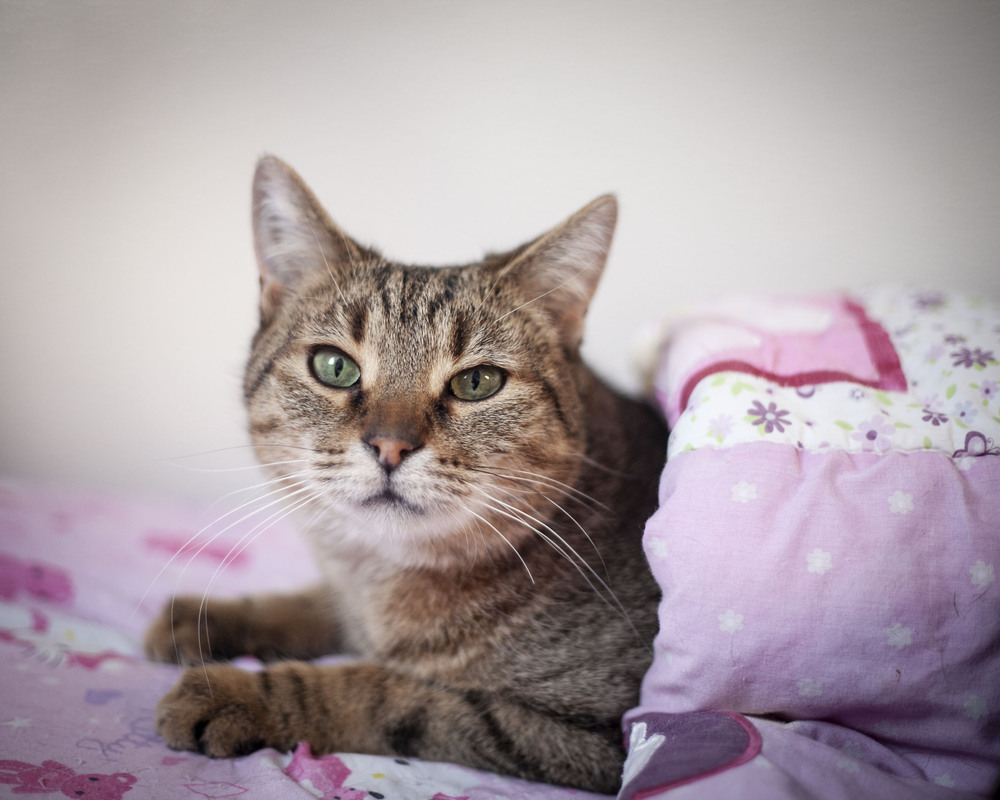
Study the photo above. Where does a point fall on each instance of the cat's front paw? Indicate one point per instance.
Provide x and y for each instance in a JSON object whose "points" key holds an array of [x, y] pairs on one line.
{"points": [[217, 710], [196, 630], [191, 630], [179, 634]]}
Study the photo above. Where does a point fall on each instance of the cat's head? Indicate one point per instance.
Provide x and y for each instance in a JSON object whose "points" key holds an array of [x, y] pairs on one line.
{"points": [[419, 408]]}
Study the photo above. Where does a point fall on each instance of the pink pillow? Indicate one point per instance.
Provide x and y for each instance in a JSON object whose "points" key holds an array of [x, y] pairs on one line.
{"points": [[829, 551]]}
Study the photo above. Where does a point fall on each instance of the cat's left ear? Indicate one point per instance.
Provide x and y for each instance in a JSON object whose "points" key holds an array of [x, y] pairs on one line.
{"points": [[293, 236], [560, 270]]}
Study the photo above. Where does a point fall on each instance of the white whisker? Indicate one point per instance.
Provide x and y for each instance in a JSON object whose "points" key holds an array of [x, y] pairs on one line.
{"points": [[570, 492], [211, 539], [508, 541], [561, 546], [194, 537], [556, 288], [329, 269], [237, 550], [566, 513]]}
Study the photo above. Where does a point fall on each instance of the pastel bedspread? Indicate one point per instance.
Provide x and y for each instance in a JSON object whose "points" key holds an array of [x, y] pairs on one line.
{"points": [[827, 542], [81, 575]]}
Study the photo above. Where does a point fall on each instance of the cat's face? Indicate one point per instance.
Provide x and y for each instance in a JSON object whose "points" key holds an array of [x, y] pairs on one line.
{"points": [[436, 407]]}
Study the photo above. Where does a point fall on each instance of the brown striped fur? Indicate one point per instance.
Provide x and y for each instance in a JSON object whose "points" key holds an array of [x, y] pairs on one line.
{"points": [[481, 558]]}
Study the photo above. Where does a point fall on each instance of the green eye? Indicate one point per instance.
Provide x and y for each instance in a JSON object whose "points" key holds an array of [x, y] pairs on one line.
{"points": [[335, 369], [477, 383]]}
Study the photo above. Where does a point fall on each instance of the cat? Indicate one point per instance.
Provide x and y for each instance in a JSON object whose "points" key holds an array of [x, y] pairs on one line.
{"points": [[475, 497]]}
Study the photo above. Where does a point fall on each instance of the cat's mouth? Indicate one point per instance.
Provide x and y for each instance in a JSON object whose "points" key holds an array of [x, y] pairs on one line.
{"points": [[389, 499]]}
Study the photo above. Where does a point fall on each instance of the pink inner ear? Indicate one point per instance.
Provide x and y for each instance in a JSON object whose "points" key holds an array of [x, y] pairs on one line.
{"points": [[814, 341]]}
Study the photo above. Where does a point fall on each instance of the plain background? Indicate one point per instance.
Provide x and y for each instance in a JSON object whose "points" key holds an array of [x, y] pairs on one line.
{"points": [[776, 145]]}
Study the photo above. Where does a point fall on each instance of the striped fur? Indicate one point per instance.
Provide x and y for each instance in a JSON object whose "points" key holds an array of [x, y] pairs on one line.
{"points": [[481, 558]]}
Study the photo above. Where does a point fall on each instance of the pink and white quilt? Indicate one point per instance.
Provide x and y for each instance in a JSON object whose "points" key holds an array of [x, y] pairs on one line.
{"points": [[827, 541]]}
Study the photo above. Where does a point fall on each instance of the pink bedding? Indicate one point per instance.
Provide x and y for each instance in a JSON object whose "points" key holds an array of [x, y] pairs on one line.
{"points": [[81, 575], [827, 543]]}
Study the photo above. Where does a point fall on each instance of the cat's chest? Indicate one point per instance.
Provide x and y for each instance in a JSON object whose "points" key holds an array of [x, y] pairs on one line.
{"points": [[431, 624]]}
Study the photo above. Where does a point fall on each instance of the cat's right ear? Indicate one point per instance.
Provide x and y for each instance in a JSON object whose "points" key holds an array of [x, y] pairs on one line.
{"points": [[293, 236]]}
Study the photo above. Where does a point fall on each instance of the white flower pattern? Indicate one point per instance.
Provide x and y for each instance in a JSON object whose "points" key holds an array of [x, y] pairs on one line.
{"points": [[744, 492], [900, 502], [819, 561], [975, 707], [657, 548], [899, 636], [730, 621], [982, 574]]}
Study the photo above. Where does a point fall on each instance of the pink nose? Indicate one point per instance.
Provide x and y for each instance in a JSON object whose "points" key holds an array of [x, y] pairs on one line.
{"points": [[390, 452]]}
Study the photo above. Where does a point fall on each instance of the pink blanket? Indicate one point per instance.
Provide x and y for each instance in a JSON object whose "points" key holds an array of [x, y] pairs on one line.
{"points": [[81, 575]]}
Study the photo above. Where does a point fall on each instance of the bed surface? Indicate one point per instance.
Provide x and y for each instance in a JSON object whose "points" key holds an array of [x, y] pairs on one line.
{"points": [[81, 575], [827, 542]]}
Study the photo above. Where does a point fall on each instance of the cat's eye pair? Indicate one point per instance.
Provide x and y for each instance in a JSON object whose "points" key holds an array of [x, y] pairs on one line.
{"points": [[334, 368]]}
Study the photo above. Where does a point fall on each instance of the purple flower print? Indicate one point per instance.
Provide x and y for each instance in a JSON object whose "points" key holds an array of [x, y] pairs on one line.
{"points": [[964, 412], [976, 357], [874, 434], [721, 425], [955, 338], [770, 417], [935, 418], [990, 390], [929, 301], [934, 352]]}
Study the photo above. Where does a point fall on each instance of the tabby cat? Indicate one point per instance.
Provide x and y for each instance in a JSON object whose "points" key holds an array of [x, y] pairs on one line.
{"points": [[475, 497]]}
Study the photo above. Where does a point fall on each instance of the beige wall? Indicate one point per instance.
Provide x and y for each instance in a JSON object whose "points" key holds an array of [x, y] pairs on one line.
{"points": [[769, 144]]}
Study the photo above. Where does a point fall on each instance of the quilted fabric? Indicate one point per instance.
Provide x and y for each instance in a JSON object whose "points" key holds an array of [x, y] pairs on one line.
{"points": [[829, 529]]}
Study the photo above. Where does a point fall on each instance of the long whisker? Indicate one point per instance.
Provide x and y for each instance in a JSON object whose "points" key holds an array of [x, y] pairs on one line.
{"points": [[629, 476], [569, 279], [245, 468], [524, 517], [561, 546], [194, 537], [237, 550], [264, 484], [211, 539], [570, 492], [566, 513], [508, 541], [248, 446], [325, 261]]}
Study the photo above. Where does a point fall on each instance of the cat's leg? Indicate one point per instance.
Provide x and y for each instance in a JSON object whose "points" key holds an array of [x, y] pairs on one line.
{"points": [[193, 630], [364, 708]]}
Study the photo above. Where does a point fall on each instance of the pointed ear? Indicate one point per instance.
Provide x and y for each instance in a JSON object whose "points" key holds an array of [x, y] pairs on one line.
{"points": [[293, 236], [560, 270]]}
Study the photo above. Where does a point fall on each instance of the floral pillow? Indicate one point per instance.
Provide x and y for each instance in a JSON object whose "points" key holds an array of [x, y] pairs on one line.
{"points": [[828, 534]]}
